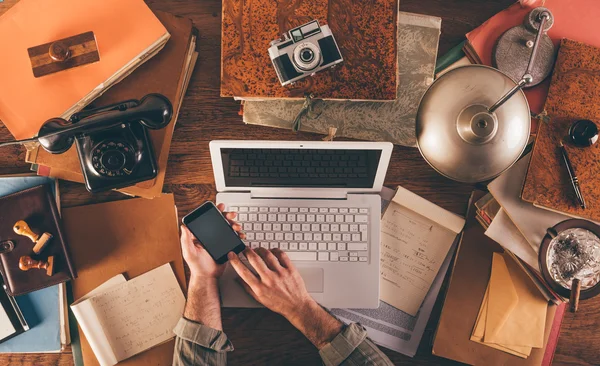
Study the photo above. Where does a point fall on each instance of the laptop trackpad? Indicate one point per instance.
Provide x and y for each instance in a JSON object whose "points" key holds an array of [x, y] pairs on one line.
{"points": [[313, 278]]}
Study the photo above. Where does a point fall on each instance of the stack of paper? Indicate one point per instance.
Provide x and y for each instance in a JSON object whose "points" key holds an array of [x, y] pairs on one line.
{"points": [[513, 312]]}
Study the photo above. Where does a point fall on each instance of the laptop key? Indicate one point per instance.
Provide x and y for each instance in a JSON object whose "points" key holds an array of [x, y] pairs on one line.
{"points": [[302, 256], [357, 246]]}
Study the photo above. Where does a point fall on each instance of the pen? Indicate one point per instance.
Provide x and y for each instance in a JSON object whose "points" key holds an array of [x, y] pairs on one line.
{"points": [[573, 176]]}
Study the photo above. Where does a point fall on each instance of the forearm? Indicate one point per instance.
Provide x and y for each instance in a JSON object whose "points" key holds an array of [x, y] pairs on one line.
{"points": [[316, 324], [203, 304], [337, 345]]}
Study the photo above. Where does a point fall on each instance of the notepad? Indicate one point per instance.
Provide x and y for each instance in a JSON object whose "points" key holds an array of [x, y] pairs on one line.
{"points": [[415, 238], [122, 318]]}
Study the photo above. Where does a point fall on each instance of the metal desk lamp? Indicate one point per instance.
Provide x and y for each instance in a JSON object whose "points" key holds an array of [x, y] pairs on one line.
{"points": [[473, 122]]}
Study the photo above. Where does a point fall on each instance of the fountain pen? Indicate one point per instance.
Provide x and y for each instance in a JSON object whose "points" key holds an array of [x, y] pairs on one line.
{"points": [[573, 176]]}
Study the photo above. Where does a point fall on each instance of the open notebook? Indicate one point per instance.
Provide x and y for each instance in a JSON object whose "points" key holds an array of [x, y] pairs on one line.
{"points": [[122, 318], [416, 236]]}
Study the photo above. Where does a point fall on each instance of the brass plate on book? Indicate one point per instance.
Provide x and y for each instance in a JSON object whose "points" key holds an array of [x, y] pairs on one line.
{"points": [[63, 54], [457, 135]]}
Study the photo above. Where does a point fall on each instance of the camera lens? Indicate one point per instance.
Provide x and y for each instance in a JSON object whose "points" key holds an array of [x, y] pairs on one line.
{"points": [[307, 55]]}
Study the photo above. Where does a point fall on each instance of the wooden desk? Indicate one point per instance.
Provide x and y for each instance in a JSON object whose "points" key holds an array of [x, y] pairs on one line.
{"points": [[261, 337]]}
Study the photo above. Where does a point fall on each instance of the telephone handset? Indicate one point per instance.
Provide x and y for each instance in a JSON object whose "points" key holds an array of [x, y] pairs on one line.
{"points": [[113, 144]]}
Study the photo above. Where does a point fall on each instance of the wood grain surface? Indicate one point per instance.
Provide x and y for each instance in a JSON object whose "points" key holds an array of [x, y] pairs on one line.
{"points": [[261, 337], [365, 32]]}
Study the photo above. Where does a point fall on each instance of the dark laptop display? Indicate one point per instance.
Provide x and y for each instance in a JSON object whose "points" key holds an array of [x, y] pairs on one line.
{"points": [[300, 168]]}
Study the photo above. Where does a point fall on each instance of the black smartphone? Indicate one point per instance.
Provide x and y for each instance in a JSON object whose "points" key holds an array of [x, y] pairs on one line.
{"points": [[211, 228]]}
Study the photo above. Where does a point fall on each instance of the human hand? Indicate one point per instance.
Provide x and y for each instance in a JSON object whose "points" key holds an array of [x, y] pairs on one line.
{"points": [[278, 285], [280, 288], [201, 264]]}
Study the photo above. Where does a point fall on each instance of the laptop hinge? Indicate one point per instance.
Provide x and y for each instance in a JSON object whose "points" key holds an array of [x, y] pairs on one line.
{"points": [[296, 193]]}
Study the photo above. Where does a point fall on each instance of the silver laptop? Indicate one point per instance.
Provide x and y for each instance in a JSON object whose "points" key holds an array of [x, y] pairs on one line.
{"points": [[318, 202]]}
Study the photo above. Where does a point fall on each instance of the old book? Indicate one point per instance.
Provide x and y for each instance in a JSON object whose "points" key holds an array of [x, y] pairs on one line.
{"points": [[143, 235], [364, 30], [418, 37], [27, 102], [573, 95], [122, 318], [167, 73]]}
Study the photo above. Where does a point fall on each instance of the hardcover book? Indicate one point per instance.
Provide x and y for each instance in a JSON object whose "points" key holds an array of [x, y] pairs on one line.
{"points": [[394, 121], [365, 32], [573, 95]]}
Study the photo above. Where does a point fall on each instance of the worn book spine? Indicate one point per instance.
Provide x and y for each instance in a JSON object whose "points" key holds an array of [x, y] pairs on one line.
{"points": [[394, 121]]}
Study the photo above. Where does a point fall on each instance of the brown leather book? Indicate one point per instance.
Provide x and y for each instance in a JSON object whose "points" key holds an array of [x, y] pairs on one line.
{"points": [[131, 237], [573, 95], [165, 73], [37, 207], [365, 32]]}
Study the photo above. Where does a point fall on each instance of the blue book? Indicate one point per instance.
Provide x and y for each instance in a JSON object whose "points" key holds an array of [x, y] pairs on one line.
{"points": [[40, 308]]}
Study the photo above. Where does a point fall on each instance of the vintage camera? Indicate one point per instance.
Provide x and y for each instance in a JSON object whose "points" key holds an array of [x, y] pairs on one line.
{"points": [[113, 143], [304, 51]]}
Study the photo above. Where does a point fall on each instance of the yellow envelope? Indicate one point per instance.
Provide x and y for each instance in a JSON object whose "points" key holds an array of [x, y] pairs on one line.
{"points": [[526, 323], [479, 331], [503, 298]]}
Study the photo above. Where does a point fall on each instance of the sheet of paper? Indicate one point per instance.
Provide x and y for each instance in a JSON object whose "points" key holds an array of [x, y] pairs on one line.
{"points": [[413, 248], [6, 327], [89, 322], [504, 232], [140, 313], [393, 328]]}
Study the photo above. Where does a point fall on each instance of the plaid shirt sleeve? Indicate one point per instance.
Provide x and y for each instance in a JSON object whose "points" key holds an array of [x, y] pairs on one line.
{"points": [[199, 345], [352, 347]]}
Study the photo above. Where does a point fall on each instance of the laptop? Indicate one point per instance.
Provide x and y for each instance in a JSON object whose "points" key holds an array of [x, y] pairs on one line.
{"points": [[316, 201]]}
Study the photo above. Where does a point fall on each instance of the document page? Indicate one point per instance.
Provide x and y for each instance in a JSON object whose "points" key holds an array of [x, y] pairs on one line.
{"points": [[140, 313], [413, 247]]}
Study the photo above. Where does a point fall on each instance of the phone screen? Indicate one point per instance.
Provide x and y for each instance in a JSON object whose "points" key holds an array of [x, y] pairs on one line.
{"points": [[214, 232]]}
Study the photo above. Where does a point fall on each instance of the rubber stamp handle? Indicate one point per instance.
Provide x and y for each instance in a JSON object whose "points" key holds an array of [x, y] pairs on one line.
{"points": [[59, 51], [23, 229]]}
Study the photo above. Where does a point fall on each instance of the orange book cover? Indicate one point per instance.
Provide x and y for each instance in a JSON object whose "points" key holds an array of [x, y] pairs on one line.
{"points": [[574, 19], [127, 32]]}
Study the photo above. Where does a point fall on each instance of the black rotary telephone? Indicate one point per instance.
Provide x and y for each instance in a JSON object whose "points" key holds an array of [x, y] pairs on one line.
{"points": [[112, 141]]}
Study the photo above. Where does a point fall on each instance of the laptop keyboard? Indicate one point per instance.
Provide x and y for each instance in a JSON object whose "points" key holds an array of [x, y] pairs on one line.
{"points": [[291, 163], [308, 233]]}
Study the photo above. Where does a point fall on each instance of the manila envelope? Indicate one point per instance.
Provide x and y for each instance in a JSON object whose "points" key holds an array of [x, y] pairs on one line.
{"points": [[515, 323], [479, 331]]}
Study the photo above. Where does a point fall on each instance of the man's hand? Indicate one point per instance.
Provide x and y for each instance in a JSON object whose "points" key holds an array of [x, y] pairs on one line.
{"points": [[280, 288], [201, 264], [203, 305]]}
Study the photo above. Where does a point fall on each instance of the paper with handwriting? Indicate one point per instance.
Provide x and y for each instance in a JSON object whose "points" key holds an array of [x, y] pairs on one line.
{"points": [[133, 316], [413, 247]]}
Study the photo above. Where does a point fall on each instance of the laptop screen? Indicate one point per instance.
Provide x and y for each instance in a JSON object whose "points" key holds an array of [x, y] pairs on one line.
{"points": [[300, 168]]}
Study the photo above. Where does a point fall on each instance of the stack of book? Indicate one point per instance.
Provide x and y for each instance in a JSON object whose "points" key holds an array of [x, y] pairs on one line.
{"points": [[157, 55]]}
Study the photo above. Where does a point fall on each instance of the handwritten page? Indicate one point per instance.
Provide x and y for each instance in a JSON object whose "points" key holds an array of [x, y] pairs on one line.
{"points": [[140, 313], [413, 247]]}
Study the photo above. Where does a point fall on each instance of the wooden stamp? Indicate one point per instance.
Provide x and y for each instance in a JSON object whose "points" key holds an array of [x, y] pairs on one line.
{"points": [[63, 54], [40, 241], [26, 263]]}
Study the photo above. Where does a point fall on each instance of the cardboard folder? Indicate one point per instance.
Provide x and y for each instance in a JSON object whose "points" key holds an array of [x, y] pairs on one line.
{"points": [[132, 237], [464, 297]]}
